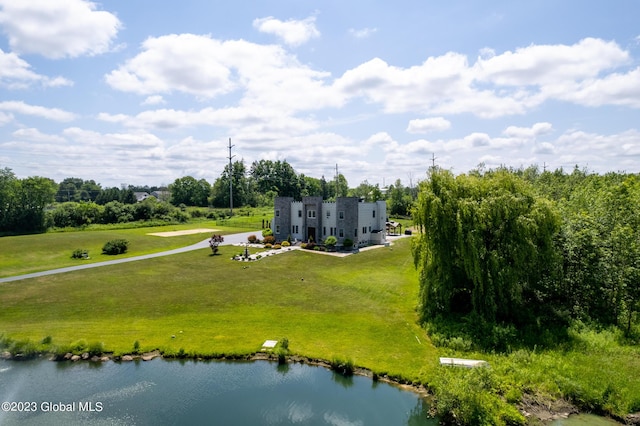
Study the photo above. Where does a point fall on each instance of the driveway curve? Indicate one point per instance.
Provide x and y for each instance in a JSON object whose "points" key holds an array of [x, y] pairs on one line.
{"points": [[228, 240]]}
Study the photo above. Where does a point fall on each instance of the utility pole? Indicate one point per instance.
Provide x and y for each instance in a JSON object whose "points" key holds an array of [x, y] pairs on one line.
{"points": [[433, 160], [337, 181], [230, 179]]}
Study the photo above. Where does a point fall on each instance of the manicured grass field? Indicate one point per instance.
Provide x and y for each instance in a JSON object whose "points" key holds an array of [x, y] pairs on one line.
{"points": [[359, 308], [32, 253]]}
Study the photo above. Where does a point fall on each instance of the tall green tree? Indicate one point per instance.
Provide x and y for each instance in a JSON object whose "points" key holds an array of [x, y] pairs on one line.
{"points": [[242, 189], [486, 246], [189, 191], [277, 176]]}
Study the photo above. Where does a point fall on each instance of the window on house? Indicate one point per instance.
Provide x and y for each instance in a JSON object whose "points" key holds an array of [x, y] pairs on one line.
{"points": [[277, 213], [299, 213], [293, 229], [364, 230], [374, 213], [340, 215], [355, 232], [311, 214], [369, 229], [277, 229], [324, 231], [328, 213], [297, 229], [341, 234]]}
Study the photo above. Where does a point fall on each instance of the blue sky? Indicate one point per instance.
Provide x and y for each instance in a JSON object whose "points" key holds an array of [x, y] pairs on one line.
{"points": [[143, 92]]}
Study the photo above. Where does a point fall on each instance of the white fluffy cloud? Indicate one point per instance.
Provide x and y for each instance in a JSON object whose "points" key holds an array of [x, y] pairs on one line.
{"points": [[499, 84], [545, 65], [426, 125], [15, 73], [204, 67], [292, 32], [20, 107], [57, 29]]}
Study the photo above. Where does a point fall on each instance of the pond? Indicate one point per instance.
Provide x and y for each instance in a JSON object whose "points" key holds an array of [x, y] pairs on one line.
{"points": [[199, 392]]}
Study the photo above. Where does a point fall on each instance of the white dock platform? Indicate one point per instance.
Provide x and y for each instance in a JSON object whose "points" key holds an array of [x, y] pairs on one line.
{"points": [[461, 362]]}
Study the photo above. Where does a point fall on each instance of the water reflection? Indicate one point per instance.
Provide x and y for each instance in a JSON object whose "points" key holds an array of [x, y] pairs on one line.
{"points": [[232, 393]]}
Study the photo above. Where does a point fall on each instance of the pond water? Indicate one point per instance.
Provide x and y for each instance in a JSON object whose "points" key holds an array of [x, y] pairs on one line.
{"points": [[190, 392]]}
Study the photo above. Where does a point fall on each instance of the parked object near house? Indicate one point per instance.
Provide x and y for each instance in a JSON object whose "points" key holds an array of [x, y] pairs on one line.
{"points": [[313, 219]]}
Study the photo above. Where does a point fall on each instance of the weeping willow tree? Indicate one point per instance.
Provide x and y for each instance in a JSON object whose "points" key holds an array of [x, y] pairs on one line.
{"points": [[486, 245]]}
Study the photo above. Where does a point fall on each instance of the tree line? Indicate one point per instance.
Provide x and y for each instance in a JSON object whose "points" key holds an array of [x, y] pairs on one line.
{"points": [[36, 203], [259, 184], [529, 249]]}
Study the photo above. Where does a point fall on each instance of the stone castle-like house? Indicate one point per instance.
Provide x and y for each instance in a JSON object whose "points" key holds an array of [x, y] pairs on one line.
{"points": [[347, 217]]}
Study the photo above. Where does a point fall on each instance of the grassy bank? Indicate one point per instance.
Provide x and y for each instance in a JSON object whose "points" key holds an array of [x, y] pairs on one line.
{"points": [[359, 308]]}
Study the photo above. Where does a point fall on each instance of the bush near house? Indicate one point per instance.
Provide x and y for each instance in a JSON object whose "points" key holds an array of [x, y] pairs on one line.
{"points": [[269, 239]]}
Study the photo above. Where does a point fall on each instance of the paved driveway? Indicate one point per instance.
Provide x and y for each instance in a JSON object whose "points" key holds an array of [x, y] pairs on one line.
{"points": [[228, 240]]}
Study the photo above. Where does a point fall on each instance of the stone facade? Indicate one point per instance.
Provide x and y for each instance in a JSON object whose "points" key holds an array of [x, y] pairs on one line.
{"points": [[347, 217]]}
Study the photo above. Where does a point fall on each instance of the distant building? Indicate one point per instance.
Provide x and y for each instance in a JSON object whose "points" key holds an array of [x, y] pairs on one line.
{"points": [[162, 195], [141, 196], [347, 217]]}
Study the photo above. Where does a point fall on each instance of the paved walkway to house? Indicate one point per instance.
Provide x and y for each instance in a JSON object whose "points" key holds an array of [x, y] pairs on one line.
{"points": [[231, 239]]}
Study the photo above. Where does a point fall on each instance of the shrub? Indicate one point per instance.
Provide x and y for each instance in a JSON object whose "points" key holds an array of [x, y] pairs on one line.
{"points": [[277, 247], [196, 213], [285, 244], [310, 246], [136, 347], [252, 239], [117, 246], [344, 367], [80, 254], [267, 232], [316, 248], [95, 348], [46, 341], [347, 243], [269, 239], [303, 245], [268, 246], [331, 241]]}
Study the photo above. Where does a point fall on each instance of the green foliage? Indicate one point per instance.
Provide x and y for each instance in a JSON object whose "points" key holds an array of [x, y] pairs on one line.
{"points": [[80, 254], [471, 397], [117, 246], [267, 232], [22, 209], [331, 241], [189, 191], [345, 367], [136, 347], [347, 243], [486, 246], [285, 244]]}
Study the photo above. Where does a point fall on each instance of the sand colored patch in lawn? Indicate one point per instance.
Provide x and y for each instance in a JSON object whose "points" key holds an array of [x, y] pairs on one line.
{"points": [[184, 232]]}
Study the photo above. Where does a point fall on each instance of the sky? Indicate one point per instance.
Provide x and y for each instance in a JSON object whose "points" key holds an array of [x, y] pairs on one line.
{"points": [[144, 92]]}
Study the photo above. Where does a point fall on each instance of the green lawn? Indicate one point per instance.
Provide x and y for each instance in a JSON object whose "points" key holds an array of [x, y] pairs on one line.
{"points": [[360, 307], [32, 253]]}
